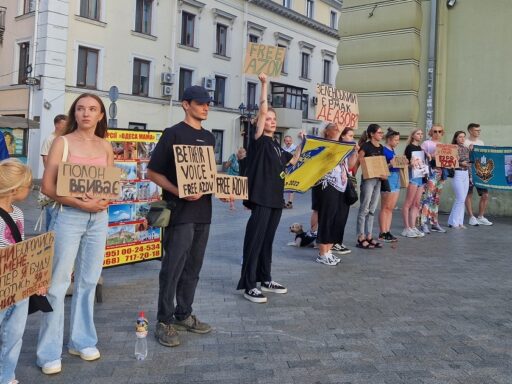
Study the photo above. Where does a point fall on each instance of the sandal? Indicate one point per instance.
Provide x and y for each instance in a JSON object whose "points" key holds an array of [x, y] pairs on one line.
{"points": [[364, 244], [375, 244]]}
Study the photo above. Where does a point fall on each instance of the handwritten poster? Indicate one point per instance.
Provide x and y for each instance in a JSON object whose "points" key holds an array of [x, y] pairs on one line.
{"points": [[337, 106], [25, 267], [195, 169], [79, 180], [264, 58], [447, 156], [231, 187]]}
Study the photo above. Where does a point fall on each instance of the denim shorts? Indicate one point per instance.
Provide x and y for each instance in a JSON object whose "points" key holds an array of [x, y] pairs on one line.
{"points": [[418, 181], [394, 181]]}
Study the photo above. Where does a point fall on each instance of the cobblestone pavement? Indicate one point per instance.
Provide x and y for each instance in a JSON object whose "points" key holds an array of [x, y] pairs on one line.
{"points": [[435, 310]]}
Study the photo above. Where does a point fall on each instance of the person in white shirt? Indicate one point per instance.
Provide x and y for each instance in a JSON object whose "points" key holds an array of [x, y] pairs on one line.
{"points": [[474, 139], [290, 148], [59, 123]]}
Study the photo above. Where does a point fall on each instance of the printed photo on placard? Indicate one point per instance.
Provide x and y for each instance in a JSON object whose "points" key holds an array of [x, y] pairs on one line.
{"points": [[145, 150], [143, 190], [118, 149], [150, 233], [119, 213], [141, 210], [154, 191], [142, 169], [121, 234], [418, 165], [128, 191], [128, 170], [130, 150]]}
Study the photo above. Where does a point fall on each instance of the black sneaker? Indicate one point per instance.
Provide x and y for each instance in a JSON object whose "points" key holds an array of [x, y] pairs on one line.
{"points": [[192, 324], [254, 295], [272, 286], [167, 335], [383, 236], [391, 238], [340, 249]]}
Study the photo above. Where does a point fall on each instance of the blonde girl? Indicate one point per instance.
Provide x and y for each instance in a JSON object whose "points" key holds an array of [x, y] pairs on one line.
{"points": [[15, 185]]}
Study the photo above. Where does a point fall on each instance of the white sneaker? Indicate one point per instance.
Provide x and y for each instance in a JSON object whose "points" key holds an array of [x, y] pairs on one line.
{"points": [[424, 229], [14, 381], [408, 232], [87, 354], [418, 232], [326, 259], [483, 221], [52, 367], [473, 221], [335, 258]]}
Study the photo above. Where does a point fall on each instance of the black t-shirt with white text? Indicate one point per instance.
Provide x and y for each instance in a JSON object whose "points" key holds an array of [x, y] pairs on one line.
{"points": [[371, 150], [163, 162]]}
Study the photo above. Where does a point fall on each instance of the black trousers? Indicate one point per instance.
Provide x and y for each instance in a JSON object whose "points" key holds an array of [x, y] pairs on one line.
{"points": [[259, 237], [185, 245], [332, 215]]}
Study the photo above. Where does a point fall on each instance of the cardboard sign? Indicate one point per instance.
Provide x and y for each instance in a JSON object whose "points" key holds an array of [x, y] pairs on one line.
{"points": [[231, 187], [337, 106], [404, 177], [78, 180], [195, 169], [264, 58], [374, 166], [24, 268], [400, 161], [447, 156]]}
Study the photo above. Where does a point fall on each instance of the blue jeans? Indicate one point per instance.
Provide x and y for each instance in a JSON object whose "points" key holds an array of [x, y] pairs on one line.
{"points": [[80, 243], [12, 326], [369, 201], [50, 212]]}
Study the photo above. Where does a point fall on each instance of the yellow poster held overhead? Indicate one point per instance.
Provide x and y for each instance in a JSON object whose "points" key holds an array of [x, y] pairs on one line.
{"points": [[319, 157]]}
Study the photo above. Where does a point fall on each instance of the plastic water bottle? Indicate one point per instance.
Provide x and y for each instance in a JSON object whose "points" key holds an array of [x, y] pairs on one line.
{"points": [[141, 331]]}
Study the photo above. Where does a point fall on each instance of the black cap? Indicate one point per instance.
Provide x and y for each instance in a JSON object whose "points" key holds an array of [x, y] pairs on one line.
{"points": [[197, 93]]}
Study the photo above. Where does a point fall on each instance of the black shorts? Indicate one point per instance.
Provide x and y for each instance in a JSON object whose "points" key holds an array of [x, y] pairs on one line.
{"points": [[480, 191]]}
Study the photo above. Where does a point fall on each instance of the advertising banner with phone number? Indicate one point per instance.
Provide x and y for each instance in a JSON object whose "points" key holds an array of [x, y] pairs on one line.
{"points": [[130, 239]]}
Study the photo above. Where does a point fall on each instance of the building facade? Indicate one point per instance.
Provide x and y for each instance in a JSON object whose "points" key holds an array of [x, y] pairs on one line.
{"points": [[413, 63], [152, 50]]}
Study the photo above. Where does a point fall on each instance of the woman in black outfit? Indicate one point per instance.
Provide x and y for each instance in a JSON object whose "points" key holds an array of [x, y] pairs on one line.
{"points": [[266, 163]]}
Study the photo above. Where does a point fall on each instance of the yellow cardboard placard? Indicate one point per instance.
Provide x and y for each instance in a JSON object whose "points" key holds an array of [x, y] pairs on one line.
{"points": [[231, 187], [79, 180], [264, 58], [195, 169], [337, 106], [25, 267]]}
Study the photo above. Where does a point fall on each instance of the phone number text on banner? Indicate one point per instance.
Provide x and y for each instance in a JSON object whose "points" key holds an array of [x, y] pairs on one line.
{"points": [[116, 256]]}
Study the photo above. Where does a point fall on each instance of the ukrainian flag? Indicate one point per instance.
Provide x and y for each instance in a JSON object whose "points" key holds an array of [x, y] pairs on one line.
{"points": [[319, 157]]}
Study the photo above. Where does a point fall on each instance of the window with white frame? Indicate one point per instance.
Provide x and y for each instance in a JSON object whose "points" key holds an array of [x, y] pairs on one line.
{"points": [[29, 6], [310, 7], [255, 32], [287, 3], [185, 81], [143, 16], [253, 38], [219, 143], [285, 62], [90, 9], [187, 29], [140, 84], [251, 95], [304, 65], [219, 96], [333, 21], [283, 41], [305, 106], [87, 68], [326, 79], [24, 61], [221, 40]]}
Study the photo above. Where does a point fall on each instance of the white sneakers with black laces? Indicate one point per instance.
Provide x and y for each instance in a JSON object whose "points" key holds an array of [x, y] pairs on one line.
{"points": [[255, 296], [340, 249], [272, 286], [483, 221]]}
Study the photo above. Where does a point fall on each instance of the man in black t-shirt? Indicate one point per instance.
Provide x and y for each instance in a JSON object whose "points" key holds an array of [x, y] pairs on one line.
{"points": [[187, 234]]}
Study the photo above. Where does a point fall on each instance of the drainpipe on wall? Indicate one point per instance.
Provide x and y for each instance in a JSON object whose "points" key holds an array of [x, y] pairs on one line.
{"points": [[173, 52], [431, 68]]}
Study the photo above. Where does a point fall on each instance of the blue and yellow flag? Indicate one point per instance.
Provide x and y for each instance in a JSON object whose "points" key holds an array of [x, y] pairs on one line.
{"points": [[319, 157]]}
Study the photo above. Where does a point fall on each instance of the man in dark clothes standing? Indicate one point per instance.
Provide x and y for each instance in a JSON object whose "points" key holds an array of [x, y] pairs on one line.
{"points": [[187, 234]]}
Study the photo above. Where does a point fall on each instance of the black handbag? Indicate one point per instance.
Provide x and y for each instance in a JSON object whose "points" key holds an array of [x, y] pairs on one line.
{"points": [[35, 302], [350, 191]]}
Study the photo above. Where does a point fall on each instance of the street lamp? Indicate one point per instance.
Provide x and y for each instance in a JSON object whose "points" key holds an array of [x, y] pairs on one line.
{"points": [[246, 115]]}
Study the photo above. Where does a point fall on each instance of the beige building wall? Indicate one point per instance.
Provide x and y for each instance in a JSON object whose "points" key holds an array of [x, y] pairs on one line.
{"points": [[383, 56]]}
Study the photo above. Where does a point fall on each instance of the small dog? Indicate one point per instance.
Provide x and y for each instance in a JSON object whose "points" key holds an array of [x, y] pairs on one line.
{"points": [[302, 239]]}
